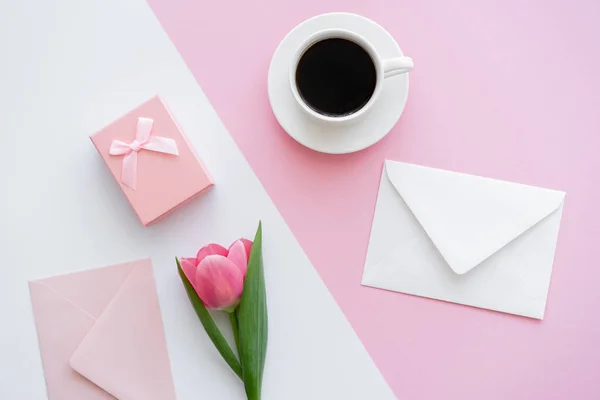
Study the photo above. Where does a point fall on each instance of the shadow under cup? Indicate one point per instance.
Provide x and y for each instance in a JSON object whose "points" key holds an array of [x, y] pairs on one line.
{"points": [[336, 77]]}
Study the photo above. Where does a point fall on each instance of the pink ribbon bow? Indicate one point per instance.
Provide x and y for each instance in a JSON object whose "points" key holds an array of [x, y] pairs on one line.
{"points": [[142, 141]]}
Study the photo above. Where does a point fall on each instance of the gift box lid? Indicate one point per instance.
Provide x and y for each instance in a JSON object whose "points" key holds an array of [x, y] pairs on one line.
{"points": [[151, 160]]}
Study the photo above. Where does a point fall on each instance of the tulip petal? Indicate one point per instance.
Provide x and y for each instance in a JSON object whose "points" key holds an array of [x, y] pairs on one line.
{"points": [[248, 246], [237, 254], [219, 282], [209, 250], [188, 265]]}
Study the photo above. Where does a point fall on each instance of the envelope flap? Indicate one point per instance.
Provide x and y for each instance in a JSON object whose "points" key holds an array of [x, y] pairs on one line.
{"points": [[125, 352], [469, 218], [90, 290], [61, 325]]}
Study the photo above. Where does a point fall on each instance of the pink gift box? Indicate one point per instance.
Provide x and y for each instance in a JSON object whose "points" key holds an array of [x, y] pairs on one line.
{"points": [[151, 160]]}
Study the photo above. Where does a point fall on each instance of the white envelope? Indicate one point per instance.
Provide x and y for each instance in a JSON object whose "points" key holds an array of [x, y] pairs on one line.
{"points": [[464, 239]]}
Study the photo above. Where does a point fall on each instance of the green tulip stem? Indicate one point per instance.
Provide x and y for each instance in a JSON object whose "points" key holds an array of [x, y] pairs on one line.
{"points": [[234, 326]]}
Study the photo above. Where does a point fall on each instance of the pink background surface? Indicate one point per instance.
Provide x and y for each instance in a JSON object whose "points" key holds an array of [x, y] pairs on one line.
{"points": [[505, 89], [164, 181]]}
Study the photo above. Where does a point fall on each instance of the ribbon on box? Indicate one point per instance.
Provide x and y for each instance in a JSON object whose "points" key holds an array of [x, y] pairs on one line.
{"points": [[143, 141]]}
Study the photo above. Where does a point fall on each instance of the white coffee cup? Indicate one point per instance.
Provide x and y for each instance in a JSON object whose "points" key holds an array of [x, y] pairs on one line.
{"points": [[384, 68]]}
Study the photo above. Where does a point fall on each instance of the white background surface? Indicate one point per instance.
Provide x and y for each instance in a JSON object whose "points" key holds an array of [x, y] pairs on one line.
{"points": [[67, 68]]}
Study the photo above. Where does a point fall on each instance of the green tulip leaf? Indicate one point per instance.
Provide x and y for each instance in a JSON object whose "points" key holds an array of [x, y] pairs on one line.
{"points": [[209, 325], [252, 322]]}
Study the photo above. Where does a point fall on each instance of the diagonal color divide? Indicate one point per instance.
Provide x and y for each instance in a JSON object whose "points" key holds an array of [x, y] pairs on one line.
{"points": [[64, 212], [484, 100]]}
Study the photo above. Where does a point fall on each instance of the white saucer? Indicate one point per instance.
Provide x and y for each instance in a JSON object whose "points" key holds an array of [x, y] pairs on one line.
{"points": [[381, 119]]}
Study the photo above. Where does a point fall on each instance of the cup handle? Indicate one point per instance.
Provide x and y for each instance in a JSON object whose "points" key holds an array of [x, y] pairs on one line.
{"points": [[396, 66]]}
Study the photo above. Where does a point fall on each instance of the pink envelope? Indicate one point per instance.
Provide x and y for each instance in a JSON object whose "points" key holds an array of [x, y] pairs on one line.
{"points": [[101, 334], [164, 171]]}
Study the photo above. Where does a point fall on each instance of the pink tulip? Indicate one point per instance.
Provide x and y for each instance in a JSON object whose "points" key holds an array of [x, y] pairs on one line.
{"points": [[217, 274]]}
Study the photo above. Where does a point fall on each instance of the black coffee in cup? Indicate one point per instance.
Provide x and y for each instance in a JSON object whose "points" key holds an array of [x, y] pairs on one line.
{"points": [[336, 77]]}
